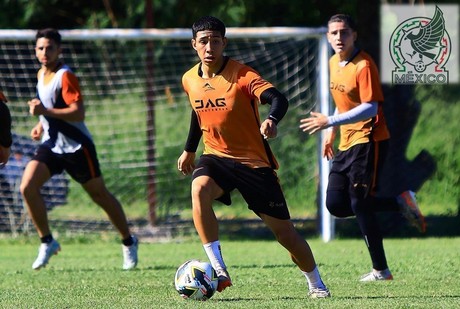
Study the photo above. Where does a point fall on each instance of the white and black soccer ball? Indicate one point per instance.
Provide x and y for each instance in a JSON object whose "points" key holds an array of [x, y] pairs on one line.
{"points": [[196, 280]]}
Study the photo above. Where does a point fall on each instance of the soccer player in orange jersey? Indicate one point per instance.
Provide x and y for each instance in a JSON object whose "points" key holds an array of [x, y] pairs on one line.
{"points": [[224, 95], [357, 93]]}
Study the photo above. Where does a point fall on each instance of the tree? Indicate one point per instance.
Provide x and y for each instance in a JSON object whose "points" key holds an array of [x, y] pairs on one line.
{"points": [[69, 14]]}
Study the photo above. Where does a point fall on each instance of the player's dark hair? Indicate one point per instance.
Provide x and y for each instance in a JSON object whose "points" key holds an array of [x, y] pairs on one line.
{"points": [[344, 18], [208, 23], [49, 33]]}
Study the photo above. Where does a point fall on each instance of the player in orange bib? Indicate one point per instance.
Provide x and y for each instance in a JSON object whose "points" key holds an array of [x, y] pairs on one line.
{"points": [[357, 93], [224, 95]]}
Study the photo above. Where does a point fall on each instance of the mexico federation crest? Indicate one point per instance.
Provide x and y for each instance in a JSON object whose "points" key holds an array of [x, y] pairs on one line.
{"points": [[420, 48]]}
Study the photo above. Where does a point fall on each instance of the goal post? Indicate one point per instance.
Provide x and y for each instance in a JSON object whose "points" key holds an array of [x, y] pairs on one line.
{"points": [[113, 71], [327, 220]]}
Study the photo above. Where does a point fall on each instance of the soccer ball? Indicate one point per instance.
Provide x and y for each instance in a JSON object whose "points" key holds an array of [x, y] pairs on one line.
{"points": [[196, 280]]}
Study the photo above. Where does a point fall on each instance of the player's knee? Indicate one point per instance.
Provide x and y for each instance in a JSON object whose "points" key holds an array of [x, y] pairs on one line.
{"points": [[101, 197], [205, 191], [199, 192], [25, 188], [98, 198], [338, 204]]}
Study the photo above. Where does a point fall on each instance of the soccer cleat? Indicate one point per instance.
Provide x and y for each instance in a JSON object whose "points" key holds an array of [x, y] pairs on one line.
{"points": [[319, 293], [224, 280], [130, 255], [411, 211], [377, 276], [45, 252]]}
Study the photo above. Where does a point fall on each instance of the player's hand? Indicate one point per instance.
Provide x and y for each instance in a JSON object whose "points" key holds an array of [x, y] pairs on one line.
{"points": [[328, 151], [36, 132], [328, 146], [268, 129], [313, 124], [186, 162], [36, 107]]}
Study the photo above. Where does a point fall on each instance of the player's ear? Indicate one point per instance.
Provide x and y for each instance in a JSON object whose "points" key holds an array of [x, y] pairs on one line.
{"points": [[224, 40], [193, 42], [355, 35], [328, 36]]}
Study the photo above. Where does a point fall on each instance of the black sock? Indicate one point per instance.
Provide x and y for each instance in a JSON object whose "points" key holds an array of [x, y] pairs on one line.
{"points": [[128, 241], [46, 239]]}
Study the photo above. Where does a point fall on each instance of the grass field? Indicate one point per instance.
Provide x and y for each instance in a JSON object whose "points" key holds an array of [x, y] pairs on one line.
{"points": [[87, 274]]}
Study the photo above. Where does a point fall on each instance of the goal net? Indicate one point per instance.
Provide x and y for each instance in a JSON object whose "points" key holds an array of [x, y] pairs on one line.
{"points": [[139, 115]]}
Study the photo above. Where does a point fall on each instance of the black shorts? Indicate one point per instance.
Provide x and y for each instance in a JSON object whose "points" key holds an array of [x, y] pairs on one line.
{"points": [[81, 165], [259, 187], [358, 167]]}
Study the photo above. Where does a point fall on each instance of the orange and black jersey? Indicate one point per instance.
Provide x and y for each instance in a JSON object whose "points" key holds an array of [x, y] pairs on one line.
{"points": [[226, 109], [355, 83]]}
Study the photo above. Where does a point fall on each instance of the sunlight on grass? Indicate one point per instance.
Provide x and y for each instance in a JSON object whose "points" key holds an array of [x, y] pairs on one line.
{"points": [[88, 274]]}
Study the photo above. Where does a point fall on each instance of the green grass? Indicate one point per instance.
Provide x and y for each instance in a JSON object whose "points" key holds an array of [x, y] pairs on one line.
{"points": [[87, 274]]}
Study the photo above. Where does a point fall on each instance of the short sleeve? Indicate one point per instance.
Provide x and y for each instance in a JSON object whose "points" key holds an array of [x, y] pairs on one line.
{"points": [[70, 88]]}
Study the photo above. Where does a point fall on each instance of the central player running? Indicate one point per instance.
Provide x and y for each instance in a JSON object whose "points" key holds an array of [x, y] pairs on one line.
{"points": [[224, 95]]}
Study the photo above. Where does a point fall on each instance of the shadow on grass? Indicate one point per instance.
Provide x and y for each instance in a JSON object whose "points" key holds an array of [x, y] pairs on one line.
{"points": [[392, 226], [395, 226], [252, 299], [430, 297]]}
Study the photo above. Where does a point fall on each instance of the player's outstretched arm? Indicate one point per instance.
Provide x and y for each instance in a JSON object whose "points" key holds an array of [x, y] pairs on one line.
{"points": [[313, 124]]}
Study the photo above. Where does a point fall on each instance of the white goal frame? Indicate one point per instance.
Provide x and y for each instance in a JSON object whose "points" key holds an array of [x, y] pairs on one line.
{"points": [[324, 104]]}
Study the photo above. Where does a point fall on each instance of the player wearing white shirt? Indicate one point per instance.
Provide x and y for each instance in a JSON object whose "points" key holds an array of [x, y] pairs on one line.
{"points": [[66, 146]]}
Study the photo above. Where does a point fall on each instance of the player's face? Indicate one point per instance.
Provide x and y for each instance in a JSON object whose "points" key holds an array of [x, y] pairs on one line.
{"points": [[342, 39], [47, 52], [209, 46]]}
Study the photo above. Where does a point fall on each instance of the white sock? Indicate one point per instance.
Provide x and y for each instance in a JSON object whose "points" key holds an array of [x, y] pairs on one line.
{"points": [[314, 279], [214, 254]]}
